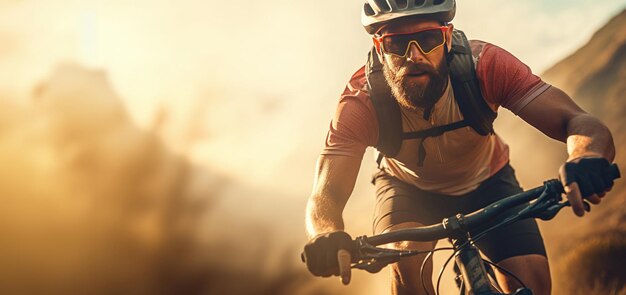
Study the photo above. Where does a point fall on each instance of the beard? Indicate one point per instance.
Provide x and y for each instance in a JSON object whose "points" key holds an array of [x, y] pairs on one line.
{"points": [[411, 94]]}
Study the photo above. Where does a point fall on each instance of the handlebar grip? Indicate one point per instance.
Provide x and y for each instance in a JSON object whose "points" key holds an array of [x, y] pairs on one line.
{"points": [[614, 172]]}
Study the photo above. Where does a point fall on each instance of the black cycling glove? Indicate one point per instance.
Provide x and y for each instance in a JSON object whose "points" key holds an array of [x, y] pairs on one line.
{"points": [[320, 253], [593, 175]]}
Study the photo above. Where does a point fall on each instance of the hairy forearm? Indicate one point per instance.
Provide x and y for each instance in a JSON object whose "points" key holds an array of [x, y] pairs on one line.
{"points": [[333, 185], [588, 136], [323, 214]]}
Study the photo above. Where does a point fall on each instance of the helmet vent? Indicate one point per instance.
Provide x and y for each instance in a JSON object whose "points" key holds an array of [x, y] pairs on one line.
{"points": [[379, 13], [384, 6], [368, 10]]}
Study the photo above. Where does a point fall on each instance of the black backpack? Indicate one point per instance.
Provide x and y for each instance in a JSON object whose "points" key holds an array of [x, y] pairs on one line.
{"points": [[476, 112]]}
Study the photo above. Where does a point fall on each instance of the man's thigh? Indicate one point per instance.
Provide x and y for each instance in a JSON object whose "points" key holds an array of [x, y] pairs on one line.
{"points": [[512, 240], [398, 202], [519, 249], [533, 270], [407, 273]]}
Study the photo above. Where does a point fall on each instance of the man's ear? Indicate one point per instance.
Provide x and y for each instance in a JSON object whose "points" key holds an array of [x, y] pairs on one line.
{"points": [[449, 37]]}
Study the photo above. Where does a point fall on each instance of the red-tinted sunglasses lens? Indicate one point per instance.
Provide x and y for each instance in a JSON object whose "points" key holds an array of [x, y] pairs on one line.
{"points": [[427, 40]]}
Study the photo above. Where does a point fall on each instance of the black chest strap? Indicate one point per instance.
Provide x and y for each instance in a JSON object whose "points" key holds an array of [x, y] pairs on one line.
{"points": [[477, 114], [426, 133], [435, 131]]}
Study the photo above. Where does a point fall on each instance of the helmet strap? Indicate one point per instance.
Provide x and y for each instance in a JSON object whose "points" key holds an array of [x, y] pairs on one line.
{"points": [[448, 53]]}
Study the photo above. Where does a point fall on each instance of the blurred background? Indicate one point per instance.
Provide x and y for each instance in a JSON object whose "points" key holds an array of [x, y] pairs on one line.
{"points": [[168, 147]]}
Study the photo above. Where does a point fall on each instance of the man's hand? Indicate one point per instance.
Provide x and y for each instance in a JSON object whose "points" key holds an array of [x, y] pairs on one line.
{"points": [[329, 254], [588, 178]]}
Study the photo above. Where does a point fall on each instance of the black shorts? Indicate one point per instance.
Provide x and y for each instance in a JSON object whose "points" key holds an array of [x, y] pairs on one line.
{"points": [[398, 202]]}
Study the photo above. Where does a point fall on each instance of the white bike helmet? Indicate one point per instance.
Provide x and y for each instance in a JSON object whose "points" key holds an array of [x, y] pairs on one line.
{"points": [[377, 13]]}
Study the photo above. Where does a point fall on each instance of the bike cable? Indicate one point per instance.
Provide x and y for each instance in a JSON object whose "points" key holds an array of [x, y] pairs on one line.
{"points": [[479, 236], [429, 256], [482, 234], [506, 271], [443, 268], [511, 219], [491, 275]]}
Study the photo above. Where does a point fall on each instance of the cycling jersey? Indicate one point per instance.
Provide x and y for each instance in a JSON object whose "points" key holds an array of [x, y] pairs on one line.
{"points": [[457, 161]]}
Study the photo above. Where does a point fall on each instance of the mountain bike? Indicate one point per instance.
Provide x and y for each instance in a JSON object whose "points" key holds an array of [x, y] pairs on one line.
{"points": [[542, 202]]}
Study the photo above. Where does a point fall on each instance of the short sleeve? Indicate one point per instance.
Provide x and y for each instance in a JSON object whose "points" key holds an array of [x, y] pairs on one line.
{"points": [[354, 126], [507, 81]]}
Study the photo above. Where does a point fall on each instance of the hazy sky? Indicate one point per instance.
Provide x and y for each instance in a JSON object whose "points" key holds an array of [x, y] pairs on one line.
{"points": [[267, 73]]}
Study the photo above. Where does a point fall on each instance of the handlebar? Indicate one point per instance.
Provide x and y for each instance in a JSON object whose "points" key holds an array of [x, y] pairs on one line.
{"points": [[469, 222], [547, 204]]}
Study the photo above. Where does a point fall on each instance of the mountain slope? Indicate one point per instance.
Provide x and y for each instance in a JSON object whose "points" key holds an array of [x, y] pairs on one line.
{"points": [[572, 72], [594, 76]]}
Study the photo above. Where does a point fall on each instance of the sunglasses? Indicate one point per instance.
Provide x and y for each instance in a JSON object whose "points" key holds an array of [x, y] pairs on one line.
{"points": [[426, 40]]}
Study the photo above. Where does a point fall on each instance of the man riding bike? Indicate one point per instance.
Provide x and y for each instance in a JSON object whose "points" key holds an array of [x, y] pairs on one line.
{"points": [[450, 165]]}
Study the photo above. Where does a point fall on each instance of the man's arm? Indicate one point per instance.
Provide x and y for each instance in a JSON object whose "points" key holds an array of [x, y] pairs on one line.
{"points": [[334, 181], [555, 114], [328, 250]]}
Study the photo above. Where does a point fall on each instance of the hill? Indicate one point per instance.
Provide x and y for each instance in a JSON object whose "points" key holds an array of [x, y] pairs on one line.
{"points": [[594, 77]]}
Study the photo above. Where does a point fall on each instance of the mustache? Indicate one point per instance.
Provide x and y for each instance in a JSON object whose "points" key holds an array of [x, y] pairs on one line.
{"points": [[412, 68]]}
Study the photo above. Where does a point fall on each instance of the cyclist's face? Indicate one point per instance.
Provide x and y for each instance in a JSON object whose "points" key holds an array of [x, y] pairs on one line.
{"points": [[417, 79]]}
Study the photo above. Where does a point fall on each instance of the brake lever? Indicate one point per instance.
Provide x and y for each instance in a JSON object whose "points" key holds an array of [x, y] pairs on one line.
{"points": [[547, 205], [373, 259], [556, 187], [551, 211], [375, 265]]}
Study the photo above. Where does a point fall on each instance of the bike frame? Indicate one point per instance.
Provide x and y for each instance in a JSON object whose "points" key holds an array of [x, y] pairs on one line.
{"points": [[469, 261], [472, 268]]}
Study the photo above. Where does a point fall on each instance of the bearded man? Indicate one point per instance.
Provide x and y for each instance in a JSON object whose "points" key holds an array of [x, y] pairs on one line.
{"points": [[457, 171]]}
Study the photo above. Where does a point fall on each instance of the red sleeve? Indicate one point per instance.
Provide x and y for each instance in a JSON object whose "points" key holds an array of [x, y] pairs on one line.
{"points": [[505, 80], [354, 126]]}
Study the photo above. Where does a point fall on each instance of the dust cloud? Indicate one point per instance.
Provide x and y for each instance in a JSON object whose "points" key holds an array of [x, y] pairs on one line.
{"points": [[596, 266], [95, 205]]}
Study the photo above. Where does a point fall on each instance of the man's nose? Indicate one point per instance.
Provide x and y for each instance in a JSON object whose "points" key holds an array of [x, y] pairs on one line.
{"points": [[415, 54]]}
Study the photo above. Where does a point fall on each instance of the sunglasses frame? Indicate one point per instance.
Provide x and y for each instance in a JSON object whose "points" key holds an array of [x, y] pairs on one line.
{"points": [[380, 45]]}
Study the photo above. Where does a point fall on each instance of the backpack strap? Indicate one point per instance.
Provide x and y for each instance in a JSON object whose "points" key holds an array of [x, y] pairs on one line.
{"points": [[430, 132], [435, 131], [387, 109], [466, 86], [476, 112]]}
